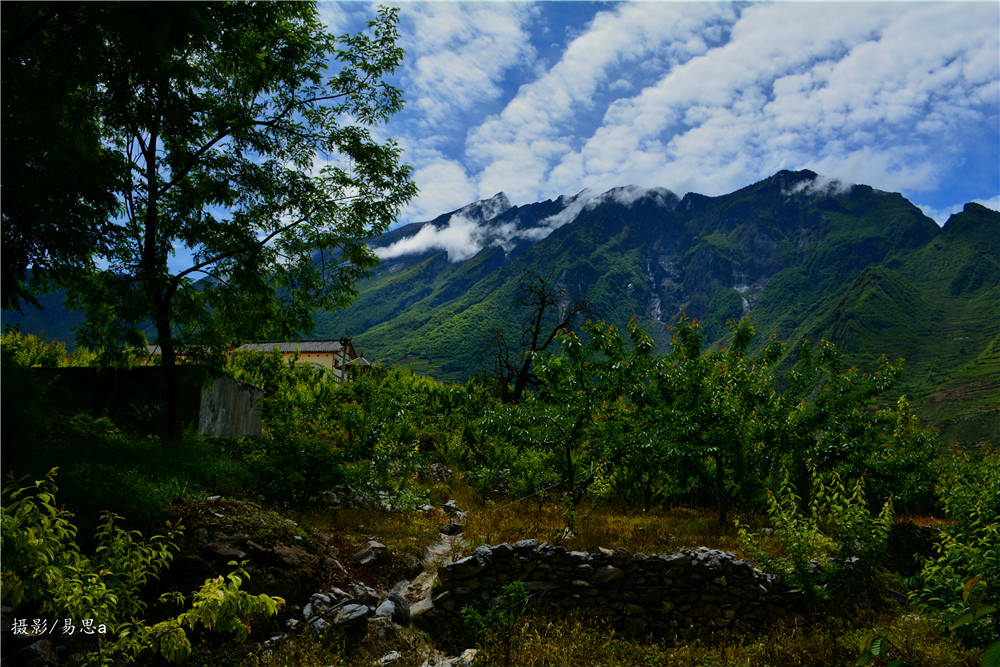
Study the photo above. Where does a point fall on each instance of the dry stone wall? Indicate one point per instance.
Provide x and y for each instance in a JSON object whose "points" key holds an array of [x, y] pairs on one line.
{"points": [[685, 593]]}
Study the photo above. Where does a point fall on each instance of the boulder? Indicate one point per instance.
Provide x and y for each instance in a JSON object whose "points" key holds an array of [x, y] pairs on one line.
{"points": [[352, 614]]}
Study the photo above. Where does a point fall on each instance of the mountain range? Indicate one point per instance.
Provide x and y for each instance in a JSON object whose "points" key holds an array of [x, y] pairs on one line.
{"points": [[801, 255]]}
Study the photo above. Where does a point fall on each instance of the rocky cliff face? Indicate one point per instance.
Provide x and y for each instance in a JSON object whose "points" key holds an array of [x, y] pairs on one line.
{"points": [[786, 243]]}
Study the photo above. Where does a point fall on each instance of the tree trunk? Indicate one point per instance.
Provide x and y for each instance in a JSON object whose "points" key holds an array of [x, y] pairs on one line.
{"points": [[722, 498], [168, 362], [521, 382]]}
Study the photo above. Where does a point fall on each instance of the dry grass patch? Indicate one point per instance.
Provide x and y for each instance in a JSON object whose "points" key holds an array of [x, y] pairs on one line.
{"points": [[400, 531], [574, 641], [653, 531]]}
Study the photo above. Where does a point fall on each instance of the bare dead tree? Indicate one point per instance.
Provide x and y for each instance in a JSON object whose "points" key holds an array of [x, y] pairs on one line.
{"points": [[541, 300]]}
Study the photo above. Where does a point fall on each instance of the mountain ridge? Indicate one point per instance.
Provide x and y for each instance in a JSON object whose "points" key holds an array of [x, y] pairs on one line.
{"points": [[802, 255]]}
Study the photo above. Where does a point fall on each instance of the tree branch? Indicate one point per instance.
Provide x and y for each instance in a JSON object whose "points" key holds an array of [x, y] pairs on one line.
{"points": [[259, 243]]}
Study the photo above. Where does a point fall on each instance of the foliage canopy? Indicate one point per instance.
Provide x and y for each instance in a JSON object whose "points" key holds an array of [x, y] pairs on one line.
{"points": [[240, 135]]}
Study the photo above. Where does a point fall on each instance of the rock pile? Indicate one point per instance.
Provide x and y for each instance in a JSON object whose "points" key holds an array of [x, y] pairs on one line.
{"points": [[349, 610], [685, 593]]}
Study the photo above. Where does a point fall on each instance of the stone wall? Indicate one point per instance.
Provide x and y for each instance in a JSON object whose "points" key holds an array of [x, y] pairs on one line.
{"points": [[685, 593]]}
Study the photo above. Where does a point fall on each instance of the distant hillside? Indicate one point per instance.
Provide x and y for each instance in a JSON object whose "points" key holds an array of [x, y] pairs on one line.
{"points": [[801, 255]]}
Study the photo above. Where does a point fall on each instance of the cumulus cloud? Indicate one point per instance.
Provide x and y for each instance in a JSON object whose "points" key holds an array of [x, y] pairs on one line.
{"points": [[461, 53], [444, 186], [518, 147], [880, 94]]}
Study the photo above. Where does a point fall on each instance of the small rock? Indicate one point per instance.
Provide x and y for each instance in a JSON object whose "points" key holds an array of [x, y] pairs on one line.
{"points": [[466, 659], [386, 609], [318, 626], [608, 574], [366, 594], [373, 553], [389, 658], [452, 509], [526, 545], [402, 613], [382, 635], [450, 529]]}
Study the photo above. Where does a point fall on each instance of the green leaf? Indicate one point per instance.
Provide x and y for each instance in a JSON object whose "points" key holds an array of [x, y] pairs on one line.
{"points": [[991, 658], [972, 616]]}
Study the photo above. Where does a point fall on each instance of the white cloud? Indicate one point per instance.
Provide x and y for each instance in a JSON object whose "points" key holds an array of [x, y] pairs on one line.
{"points": [[878, 94], [992, 202], [444, 186], [518, 147], [459, 54], [461, 238], [941, 215], [336, 16]]}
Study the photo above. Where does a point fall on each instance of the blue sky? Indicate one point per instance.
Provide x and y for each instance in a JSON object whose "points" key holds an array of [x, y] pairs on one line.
{"points": [[543, 99]]}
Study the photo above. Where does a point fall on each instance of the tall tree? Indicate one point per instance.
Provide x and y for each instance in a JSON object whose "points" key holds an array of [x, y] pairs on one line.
{"points": [[59, 180], [247, 131]]}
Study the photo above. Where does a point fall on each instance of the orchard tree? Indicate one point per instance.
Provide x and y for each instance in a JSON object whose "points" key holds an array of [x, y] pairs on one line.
{"points": [[715, 409], [246, 131], [724, 416], [586, 405]]}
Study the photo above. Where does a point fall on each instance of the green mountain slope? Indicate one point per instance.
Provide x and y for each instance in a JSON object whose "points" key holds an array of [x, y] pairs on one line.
{"points": [[802, 256]]}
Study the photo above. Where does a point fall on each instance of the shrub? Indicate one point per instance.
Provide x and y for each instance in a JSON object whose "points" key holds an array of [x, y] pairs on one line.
{"points": [[837, 543], [45, 570], [961, 585], [498, 629]]}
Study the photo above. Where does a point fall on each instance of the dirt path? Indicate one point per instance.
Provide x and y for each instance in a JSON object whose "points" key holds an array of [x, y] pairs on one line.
{"points": [[417, 592]]}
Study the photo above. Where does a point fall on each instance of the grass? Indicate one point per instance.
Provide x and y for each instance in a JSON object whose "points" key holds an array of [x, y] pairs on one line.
{"points": [[653, 531], [576, 641], [138, 477]]}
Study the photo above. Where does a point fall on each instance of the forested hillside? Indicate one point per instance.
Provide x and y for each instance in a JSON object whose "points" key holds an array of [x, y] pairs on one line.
{"points": [[801, 256]]}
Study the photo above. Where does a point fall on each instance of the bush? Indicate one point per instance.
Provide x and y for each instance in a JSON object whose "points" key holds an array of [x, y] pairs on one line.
{"points": [[293, 469], [837, 543], [961, 585], [45, 572], [497, 630]]}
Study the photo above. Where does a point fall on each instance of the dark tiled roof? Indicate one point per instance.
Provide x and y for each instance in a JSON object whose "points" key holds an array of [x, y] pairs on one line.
{"points": [[325, 346], [320, 346]]}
